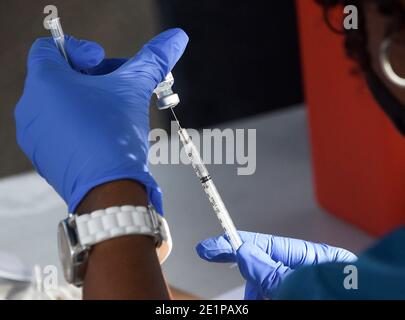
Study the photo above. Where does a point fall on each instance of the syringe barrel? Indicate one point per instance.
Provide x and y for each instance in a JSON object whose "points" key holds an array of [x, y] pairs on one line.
{"points": [[222, 214], [56, 29], [210, 190], [193, 154], [58, 36]]}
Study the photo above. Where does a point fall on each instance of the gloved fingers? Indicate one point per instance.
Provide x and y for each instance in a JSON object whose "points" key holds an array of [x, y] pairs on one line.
{"points": [[107, 66], [295, 253], [219, 249], [259, 269], [158, 57], [291, 252], [216, 249], [83, 54], [339, 255], [44, 53]]}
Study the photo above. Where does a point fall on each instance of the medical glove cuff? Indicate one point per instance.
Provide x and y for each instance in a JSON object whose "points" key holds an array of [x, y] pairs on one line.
{"points": [[153, 191]]}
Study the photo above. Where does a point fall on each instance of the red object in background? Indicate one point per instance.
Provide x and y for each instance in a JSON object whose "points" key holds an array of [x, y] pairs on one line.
{"points": [[358, 156]]}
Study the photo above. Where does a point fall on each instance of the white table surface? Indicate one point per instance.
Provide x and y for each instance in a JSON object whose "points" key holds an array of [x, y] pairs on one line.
{"points": [[277, 199]]}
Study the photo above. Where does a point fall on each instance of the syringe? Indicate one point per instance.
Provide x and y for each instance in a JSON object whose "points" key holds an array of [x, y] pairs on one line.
{"points": [[209, 188], [58, 36], [167, 99]]}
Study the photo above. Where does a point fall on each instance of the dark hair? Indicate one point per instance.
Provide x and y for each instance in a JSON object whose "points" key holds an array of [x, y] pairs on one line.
{"points": [[356, 41]]}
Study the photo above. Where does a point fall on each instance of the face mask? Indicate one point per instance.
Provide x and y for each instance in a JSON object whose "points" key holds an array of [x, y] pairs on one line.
{"points": [[392, 107]]}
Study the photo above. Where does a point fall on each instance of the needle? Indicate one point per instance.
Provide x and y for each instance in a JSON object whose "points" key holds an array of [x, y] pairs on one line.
{"points": [[178, 123]]}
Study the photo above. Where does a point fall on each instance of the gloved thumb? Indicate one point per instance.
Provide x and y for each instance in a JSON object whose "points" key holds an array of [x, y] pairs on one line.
{"points": [[158, 57], [258, 268]]}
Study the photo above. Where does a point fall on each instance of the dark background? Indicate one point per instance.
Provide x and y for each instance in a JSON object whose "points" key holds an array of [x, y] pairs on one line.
{"points": [[242, 59]]}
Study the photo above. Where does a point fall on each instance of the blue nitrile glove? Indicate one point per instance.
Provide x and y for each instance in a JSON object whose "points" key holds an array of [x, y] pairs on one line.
{"points": [[82, 129], [265, 260]]}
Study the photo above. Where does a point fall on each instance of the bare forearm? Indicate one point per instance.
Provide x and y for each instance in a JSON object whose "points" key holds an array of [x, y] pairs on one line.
{"points": [[125, 267]]}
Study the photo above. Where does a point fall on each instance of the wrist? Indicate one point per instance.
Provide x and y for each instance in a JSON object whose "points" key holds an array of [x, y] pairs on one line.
{"points": [[114, 193], [125, 267]]}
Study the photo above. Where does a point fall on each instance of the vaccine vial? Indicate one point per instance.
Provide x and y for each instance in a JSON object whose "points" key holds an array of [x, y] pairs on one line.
{"points": [[166, 98]]}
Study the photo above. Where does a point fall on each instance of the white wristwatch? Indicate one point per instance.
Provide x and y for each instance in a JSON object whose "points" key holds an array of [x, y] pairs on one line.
{"points": [[77, 234]]}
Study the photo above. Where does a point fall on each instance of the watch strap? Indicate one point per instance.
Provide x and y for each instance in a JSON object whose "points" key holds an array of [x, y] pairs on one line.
{"points": [[114, 222]]}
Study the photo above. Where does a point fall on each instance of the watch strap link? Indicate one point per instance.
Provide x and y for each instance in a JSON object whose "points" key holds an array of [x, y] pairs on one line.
{"points": [[114, 222]]}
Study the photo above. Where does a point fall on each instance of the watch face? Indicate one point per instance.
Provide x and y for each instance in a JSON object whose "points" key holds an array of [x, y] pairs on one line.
{"points": [[65, 250], [72, 255]]}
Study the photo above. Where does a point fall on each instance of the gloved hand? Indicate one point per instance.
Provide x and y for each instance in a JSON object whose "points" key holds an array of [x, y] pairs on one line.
{"points": [[265, 260], [82, 129]]}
